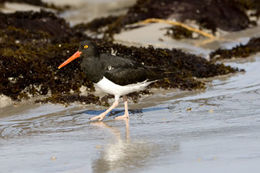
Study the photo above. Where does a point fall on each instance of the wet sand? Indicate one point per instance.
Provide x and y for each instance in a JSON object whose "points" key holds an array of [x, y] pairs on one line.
{"points": [[216, 130]]}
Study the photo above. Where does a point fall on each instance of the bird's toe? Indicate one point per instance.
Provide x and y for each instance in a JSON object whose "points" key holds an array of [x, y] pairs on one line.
{"points": [[98, 118]]}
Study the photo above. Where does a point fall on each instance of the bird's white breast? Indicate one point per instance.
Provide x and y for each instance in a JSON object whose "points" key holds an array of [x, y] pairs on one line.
{"points": [[118, 90]]}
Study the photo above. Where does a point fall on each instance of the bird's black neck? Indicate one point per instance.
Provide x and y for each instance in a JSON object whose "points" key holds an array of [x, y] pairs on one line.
{"points": [[92, 67]]}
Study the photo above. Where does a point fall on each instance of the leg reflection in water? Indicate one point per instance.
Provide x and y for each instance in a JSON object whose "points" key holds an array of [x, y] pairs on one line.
{"points": [[123, 155]]}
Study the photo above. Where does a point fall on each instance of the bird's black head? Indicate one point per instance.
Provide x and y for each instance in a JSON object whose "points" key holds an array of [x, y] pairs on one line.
{"points": [[86, 49]]}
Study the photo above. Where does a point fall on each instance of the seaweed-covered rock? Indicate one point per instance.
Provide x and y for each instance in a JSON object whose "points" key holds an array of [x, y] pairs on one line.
{"points": [[178, 33], [70, 98], [227, 15], [97, 24], [33, 44], [240, 51], [250, 5]]}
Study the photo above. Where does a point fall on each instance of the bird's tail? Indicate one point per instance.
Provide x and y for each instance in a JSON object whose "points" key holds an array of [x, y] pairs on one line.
{"points": [[141, 85]]}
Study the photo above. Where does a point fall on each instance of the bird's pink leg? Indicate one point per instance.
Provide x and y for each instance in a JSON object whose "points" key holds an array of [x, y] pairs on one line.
{"points": [[102, 115], [126, 115]]}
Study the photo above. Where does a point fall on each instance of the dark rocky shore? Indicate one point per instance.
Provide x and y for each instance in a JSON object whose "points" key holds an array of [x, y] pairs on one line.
{"points": [[240, 51], [228, 15], [33, 44]]}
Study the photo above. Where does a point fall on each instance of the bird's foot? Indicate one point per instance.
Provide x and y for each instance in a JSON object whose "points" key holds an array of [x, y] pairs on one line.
{"points": [[122, 117], [98, 118]]}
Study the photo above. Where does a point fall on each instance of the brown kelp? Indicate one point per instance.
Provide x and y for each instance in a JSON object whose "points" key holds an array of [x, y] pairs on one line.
{"points": [[33, 44], [228, 15], [240, 51]]}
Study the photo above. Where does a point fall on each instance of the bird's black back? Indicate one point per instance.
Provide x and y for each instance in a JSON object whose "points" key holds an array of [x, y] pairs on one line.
{"points": [[122, 71]]}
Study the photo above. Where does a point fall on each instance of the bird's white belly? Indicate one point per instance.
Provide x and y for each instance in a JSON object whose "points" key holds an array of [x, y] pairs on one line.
{"points": [[118, 90]]}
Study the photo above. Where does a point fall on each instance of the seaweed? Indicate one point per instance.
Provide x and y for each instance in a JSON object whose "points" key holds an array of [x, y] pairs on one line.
{"points": [[210, 14], [33, 44], [250, 5], [70, 98], [228, 15], [96, 24], [178, 33], [240, 51]]}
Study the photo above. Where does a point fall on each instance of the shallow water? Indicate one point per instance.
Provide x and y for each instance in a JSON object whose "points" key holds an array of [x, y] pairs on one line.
{"points": [[216, 130]]}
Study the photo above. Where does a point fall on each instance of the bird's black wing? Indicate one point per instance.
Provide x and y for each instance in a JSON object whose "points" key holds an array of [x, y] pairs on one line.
{"points": [[124, 71]]}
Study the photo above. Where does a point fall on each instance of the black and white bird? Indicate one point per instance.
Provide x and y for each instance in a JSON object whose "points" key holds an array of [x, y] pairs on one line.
{"points": [[113, 74]]}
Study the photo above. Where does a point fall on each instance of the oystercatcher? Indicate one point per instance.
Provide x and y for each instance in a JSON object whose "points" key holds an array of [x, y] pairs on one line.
{"points": [[113, 74]]}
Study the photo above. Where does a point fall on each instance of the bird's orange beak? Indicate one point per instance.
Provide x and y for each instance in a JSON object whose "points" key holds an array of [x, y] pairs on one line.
{"points": [[73, 57]]}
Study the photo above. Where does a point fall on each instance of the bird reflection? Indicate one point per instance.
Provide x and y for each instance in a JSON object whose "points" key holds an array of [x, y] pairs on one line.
{"points": [[122, 155]]}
